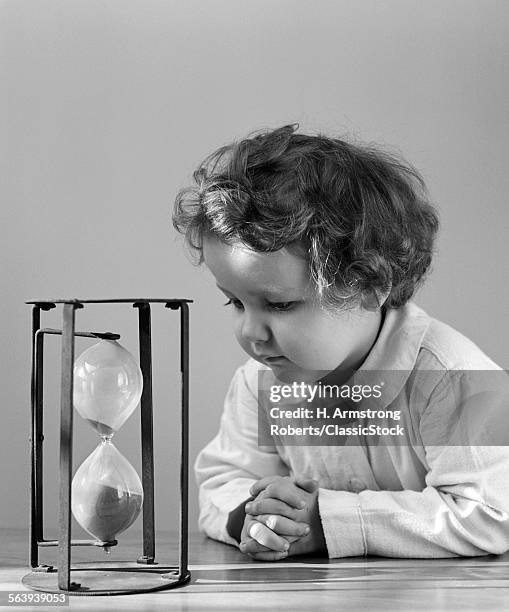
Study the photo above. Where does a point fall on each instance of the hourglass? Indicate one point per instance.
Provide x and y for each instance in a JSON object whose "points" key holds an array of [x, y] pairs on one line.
{"points": [[104, 385], [106, 491]]}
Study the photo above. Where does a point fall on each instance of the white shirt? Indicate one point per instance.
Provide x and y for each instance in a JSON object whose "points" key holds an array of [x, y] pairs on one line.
{"points": [[427, 498]]}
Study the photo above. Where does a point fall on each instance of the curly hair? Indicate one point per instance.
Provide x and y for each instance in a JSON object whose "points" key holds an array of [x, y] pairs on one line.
{"points": [[361, 217]]}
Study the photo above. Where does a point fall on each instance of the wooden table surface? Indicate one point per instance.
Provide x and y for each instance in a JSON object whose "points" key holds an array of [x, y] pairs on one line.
{"points": [[224, 579]]}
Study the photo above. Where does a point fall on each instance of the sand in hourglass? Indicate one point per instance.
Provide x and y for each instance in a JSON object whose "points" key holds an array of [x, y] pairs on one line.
{"points": [[109, 511], [101, 428]]}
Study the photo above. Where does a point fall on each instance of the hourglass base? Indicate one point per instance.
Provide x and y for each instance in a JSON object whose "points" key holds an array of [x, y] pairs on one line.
{"points": [[109, 579]]}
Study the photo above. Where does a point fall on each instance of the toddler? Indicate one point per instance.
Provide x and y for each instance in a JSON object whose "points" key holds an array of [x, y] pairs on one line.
{"points": [[318, 245]]}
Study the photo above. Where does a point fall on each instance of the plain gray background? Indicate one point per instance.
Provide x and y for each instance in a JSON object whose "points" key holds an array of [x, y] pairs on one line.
{"points": [[107, 107]]}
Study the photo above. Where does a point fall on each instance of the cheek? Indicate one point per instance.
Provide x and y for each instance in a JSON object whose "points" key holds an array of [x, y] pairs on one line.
{"points": [[320, 341], [297, 339]]}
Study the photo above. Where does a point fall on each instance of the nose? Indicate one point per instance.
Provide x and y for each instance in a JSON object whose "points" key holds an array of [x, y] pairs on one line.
{"points": [[254, 329]]}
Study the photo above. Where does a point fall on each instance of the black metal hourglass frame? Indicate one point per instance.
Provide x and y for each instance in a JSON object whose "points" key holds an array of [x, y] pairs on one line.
{"points": [[109, 579]]}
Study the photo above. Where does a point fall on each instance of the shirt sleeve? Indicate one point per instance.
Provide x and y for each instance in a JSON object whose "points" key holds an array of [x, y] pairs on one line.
{"points": [[463, 509], [227, 467]]}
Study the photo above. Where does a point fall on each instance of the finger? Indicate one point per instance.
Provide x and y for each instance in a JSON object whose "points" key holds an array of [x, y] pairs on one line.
{"points": [[283, 526], [268, 505], [287, 491], [251, 547], [269, 556], [259, 552], [308, 484], [266, 537], [259, 485]]}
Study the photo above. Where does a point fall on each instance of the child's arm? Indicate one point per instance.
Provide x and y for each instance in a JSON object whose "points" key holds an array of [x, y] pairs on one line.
{"points": [[450, 517], [232, 462], [443, 521], [462, 510]]}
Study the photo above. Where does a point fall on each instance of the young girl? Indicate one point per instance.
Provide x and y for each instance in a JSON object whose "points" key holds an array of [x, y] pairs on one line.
{"points": [[318, 246]]}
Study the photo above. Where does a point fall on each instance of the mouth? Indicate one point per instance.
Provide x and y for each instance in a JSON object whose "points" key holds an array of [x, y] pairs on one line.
{"points": [[274, 360]]}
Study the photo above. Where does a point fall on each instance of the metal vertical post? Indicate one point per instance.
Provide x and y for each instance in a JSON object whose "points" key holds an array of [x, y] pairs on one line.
{"points": [[34, 526], [66, 432], [39, 435], [147, 435], [184, 468]]}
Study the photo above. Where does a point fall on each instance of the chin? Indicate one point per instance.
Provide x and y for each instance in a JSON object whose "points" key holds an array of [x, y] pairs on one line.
{"points": [[290, 375]]}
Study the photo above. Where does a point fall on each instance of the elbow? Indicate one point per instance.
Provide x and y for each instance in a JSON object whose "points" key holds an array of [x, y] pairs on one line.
{"points": [[494, 530], [496, 541], [474, 526], [491, 533]]}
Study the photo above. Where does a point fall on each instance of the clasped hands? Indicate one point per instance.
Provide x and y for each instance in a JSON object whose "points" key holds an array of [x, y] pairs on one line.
{"points": [[282, 519]]}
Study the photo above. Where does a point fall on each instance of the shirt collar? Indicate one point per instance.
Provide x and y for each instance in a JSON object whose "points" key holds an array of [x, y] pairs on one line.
{"points": [[394, 354], [400, 339]]}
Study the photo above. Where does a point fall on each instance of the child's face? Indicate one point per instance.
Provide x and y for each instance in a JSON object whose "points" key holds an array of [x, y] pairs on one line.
{"points": [[277, 317]]}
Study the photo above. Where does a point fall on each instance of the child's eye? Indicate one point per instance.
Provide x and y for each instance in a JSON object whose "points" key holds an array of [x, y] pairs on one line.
{"points": [[282, 306], [235, 303]]}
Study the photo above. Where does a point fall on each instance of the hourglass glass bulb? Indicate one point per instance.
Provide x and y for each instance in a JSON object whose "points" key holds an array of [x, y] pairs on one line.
{"points": [[107, 494], [107, 386]]}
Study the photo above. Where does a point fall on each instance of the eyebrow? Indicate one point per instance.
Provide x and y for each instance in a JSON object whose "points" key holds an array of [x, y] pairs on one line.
{"points": [[270, 294]]}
